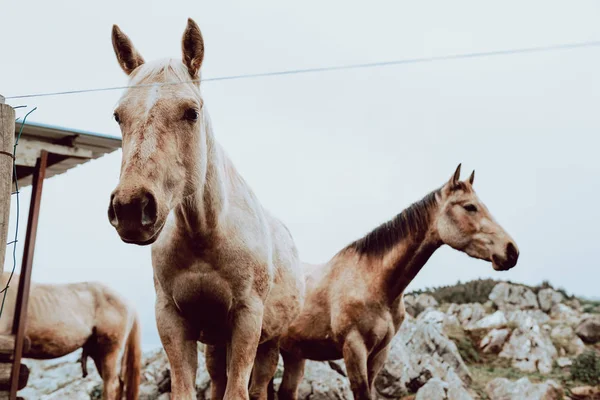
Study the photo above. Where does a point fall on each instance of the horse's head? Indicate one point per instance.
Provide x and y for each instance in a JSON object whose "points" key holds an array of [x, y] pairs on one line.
{"points": [[162, 125], [464, 223]]}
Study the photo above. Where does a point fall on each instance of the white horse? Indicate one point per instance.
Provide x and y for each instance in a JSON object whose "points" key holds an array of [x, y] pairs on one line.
{"points": [[226, 272]]}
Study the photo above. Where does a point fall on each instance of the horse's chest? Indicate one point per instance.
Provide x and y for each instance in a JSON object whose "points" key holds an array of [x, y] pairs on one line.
{"points": [[202, 293], [205, 300]]}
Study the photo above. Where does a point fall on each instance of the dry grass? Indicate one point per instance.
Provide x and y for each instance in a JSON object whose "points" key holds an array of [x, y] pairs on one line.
{"points": [[485, 367], [501, 368], [465, 344]]}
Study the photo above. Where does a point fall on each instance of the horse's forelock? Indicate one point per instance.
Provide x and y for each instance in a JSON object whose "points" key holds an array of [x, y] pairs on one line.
{"points": [[163, 71]]}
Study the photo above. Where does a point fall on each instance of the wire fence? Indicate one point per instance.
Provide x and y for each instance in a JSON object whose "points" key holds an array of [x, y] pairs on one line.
{"points": [[15, 241], [419, 60]]}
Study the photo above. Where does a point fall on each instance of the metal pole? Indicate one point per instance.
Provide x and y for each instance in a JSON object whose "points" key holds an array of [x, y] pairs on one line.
{"points": [[25, 278]]}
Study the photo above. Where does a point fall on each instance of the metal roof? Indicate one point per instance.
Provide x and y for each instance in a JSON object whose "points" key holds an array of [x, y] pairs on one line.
{"points": [[48, 137]]}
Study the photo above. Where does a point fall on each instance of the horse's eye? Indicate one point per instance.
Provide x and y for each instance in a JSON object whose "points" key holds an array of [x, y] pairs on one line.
{"points": [[191, 114], [470, 207], [116, 116]]}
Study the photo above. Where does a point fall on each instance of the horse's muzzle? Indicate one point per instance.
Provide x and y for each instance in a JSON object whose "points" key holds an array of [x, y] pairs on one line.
{"points": [[134, 214], [508, 261]]}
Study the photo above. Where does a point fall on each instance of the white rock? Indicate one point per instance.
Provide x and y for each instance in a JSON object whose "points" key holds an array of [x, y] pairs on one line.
{"points": [[523, 389], [451, 321], [565, 314], [423, 302], [467, 313], [548, 298], [574, 304], [60, 378], [530, 350], [409, 304], [546, 329], [458, 393], [416, 305], [495, 320], [494, 340], [436, 389], [564, 338], [419, 352], [507, 296], [322, 382], [563, 362], [438, 318], [525, 319], [432, 316]]}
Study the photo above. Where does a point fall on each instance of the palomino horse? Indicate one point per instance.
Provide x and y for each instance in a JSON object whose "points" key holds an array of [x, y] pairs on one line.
{"points": [[354, 304], [62, 318], [226, 272]]}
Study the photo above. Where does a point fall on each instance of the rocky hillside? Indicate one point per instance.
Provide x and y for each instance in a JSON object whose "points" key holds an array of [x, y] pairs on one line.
{"points": [[478, 340]]}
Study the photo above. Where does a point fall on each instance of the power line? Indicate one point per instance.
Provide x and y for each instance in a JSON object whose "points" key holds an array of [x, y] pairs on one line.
{"points": [[335, 68]]}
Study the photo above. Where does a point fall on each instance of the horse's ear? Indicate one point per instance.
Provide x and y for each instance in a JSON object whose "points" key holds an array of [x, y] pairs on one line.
{"points": [[472, 178], [128, 57], [455, 178], [193, 48]]}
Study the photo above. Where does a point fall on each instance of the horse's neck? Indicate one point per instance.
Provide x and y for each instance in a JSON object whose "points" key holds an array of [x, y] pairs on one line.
{"points": [[404, 261], [201, 211]]}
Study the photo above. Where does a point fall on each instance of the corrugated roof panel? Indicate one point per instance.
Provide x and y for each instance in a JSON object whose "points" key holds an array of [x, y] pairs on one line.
{"points": [[99, 144]]}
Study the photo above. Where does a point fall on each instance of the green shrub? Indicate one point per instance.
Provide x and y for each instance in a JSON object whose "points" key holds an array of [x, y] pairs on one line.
{"points": [[548, 285], [586, 368], [96, 393], [589, 305], [476, 291], [464, 344]]}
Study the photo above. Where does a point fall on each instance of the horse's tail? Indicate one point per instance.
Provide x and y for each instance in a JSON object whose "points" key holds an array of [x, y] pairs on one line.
{"points": [[132, 360]]}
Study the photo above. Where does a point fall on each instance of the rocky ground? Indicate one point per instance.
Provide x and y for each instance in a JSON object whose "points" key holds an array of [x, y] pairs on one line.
{"points": [[517, 342]]}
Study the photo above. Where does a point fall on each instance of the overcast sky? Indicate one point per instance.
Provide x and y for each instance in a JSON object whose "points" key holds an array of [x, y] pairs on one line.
{"points": [[334, 154]]}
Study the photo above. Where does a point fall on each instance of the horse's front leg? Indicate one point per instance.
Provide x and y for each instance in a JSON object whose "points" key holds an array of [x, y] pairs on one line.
{"points": [[216, 365], [181, 348], [245, 336], [265, 366], [293, 372], [375, 363], [355, 357]]}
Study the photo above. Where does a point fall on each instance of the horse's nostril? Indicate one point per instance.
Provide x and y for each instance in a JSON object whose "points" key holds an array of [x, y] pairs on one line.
{"points": [[511, 253], [112, 216], [132, 210], [149, 211]]}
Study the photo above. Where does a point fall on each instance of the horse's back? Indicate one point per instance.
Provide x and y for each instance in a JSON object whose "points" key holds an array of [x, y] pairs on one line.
{"points": [[113, 314]]}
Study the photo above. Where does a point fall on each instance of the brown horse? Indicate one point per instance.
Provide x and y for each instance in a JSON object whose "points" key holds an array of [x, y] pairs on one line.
{"points": [[226, 272], [354, 303], [66, 317]]}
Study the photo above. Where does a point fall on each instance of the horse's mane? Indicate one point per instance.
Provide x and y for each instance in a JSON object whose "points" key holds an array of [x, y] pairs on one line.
{"points": [[413, 221]]}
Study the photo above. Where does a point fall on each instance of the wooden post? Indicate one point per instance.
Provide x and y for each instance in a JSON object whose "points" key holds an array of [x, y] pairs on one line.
{"points": [[7, 140], [25, 278]]}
